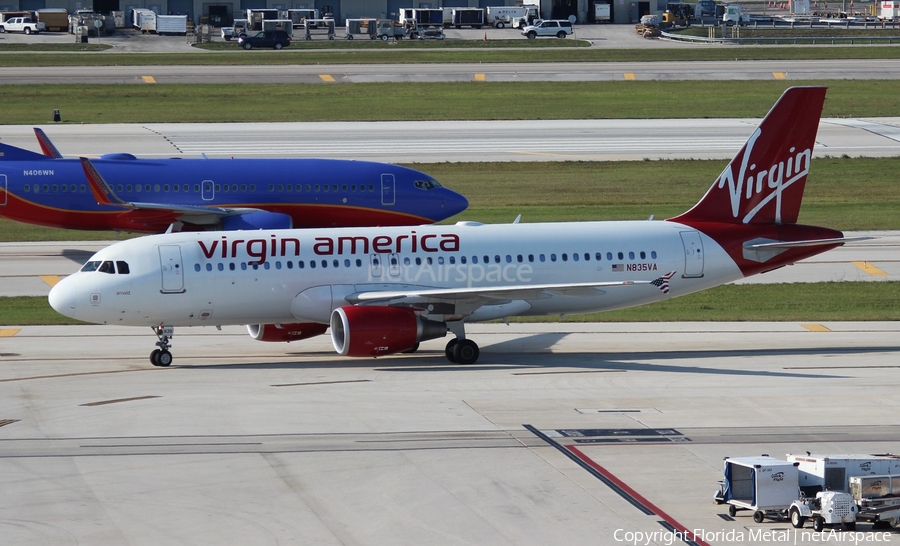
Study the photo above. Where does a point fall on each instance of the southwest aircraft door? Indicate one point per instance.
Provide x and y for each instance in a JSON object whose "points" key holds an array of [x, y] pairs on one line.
{"points": [[375, 265], [693, 254], [207, 190], [2, 189], [388, 189], [172, 272]]}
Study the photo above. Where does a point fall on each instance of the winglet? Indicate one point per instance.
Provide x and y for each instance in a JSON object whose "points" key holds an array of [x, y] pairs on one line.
{"points": [[764, 182], [102, 191], [46, 145]]}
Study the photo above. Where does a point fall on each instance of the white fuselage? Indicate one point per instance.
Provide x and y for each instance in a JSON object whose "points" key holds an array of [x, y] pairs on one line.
{"points": [[286, 276]]}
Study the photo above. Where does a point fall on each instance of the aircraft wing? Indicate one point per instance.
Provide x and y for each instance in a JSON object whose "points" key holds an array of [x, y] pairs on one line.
{"points": [[487, 295], [193, 214]]}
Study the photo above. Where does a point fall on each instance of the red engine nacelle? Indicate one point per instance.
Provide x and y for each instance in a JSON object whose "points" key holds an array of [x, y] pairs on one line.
{"points": [[286, 332], [376, 331]]}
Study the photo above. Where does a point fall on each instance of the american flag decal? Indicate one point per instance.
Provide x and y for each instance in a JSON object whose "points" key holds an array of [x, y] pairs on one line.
{"points": [[663, 282]]}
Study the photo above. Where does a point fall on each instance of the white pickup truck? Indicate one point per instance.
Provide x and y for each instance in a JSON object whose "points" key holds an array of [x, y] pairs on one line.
{"points": [[21, 24]]}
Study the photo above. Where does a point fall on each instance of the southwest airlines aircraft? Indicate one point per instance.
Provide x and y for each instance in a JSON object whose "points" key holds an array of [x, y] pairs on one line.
{"points": [[150, 195], [383, 290]]}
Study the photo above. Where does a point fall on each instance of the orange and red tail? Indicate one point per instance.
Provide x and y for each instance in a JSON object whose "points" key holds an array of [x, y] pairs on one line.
{"points": [[764, 182]]}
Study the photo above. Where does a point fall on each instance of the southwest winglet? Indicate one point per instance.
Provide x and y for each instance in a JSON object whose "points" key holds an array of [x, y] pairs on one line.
{"points": [[102, 191]]}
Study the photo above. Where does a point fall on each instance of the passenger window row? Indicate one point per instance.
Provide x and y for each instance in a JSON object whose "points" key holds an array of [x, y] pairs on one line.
{"points": [[55, 188], [311, 188], [429, 260]]}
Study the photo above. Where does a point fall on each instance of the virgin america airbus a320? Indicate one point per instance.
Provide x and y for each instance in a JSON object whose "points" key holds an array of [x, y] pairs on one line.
{"points": [[384, 290]]}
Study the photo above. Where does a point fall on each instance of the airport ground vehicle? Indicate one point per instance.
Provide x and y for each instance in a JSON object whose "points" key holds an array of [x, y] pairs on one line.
{"points": [[144, 20], [677, 14], [388, 29], [833, 472], [735, 15], [826, 509], [878, 498], [275, 39], [54, 19], [463, 17], [21, 24], [362, 27], [503, 16], [763, 484], [559, 28], [424, 23], [171, 24]]}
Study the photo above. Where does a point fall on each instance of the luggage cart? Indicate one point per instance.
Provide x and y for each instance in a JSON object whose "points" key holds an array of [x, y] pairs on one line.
{"points": [[363, 27]]}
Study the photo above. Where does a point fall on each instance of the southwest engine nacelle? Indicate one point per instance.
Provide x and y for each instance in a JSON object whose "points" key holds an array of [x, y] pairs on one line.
{"points": [[257, 220], [285, 332], [377, 331]]}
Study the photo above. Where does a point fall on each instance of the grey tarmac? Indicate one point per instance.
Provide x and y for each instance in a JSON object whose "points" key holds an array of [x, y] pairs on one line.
{"points": [[241, 442]]}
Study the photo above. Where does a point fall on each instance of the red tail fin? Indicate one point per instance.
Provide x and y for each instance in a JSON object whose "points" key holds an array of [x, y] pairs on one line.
{"points": [[46, 145], [764, 182]]}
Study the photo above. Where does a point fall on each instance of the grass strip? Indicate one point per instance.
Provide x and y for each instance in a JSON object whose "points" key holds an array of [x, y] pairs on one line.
{"points": [[211, 103], [800, 302], [415, 51]]}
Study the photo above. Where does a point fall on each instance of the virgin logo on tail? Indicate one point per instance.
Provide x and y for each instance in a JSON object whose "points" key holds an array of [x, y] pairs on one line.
{"points": [[764, 182], [753, 181]]}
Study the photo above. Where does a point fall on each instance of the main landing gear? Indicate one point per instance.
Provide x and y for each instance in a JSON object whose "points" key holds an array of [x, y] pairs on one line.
{"points": [[460, 350], [162, 357]]}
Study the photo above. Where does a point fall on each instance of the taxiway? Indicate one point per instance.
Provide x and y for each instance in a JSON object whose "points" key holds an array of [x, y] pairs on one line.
{"points": [[245, 442]]}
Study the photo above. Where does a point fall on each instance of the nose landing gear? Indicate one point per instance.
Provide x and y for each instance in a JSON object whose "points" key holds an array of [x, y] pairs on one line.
{"points": [[162, 357]]}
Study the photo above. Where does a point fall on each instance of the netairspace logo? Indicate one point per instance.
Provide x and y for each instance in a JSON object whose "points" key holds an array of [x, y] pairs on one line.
{"points": [[735, 536], [471, 275]]}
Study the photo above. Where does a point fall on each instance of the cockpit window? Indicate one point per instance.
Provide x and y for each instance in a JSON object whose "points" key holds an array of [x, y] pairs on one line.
{"points": [[106, 267], [427, 184]]}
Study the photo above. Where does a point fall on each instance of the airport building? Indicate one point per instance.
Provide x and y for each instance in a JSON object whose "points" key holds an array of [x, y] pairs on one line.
{"points": [[222, 12]]}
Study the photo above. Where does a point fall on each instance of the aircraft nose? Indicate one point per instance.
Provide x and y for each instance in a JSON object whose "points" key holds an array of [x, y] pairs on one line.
{"points": [[455, 203], [63, 297]]}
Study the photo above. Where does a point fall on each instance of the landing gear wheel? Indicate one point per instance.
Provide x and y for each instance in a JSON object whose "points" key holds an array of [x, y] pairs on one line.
{"points": [[732, 510], [162, 356], [818, 524], [796, 519], [466, 352], [448, 350], [164, 359], [758, 516]]}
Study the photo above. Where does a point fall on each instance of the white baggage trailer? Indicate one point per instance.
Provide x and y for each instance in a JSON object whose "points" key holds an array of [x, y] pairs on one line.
{"points": [[171, 24], [832, 472], [763, 484]]}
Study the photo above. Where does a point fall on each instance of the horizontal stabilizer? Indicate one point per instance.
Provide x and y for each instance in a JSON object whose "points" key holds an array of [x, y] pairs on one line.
{"points": [[801, 244], [11, 153]]}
